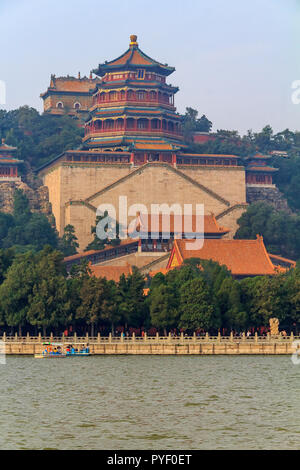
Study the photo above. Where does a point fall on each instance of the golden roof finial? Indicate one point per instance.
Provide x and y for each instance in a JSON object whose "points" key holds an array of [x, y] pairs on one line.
{"points": [[133, 39]]}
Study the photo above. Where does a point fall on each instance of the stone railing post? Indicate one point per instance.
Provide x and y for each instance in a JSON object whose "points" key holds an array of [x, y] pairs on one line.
{"points": [[256, 337], [98, 338], [27, 337], [170, 338], [181, 337], [133, 337], [51, 337], [219, 337], [268, 337], [206, 336], [231, 337], [63, 338], [292, 337], [122, 338], [40, 338], [243, 336], [145, 336], [109, 338], [86, 337], [16, 336], [4, 337], [194, 337], [75, 337], [157, 337]]}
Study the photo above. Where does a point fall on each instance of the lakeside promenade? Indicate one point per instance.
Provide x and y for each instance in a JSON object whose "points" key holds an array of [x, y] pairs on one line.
{"points": [[159, 345]]}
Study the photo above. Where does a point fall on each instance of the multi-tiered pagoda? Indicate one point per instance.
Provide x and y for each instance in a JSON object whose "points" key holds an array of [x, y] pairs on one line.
{"points": [[8, 163], [133, 108]]}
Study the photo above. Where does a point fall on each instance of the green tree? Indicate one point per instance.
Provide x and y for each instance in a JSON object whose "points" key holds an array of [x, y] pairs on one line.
{"points": [[192, 124], [68, 243], [164, 308], [39, 138], [49, 305], [95, 296], [26, 230], [280, 231], [16, 289], [6, 260], [112, 239], [233, 314], [132, 303], [7, 222], [195, 305]]}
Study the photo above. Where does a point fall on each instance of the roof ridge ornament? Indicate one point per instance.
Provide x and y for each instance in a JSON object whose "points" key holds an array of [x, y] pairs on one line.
{"points": [[133, 40]]}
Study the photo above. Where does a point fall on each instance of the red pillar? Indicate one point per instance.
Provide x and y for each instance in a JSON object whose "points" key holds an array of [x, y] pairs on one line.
{"points": [[174, 159]]}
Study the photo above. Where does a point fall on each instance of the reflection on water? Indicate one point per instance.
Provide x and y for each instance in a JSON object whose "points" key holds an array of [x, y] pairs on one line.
{"points": [[150, 402]]}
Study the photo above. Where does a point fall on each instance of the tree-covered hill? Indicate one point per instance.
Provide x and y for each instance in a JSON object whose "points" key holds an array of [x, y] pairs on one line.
{"points": [[39, 137]]}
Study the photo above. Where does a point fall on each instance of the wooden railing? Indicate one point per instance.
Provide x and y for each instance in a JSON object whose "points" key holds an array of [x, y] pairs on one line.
{"points": [[182, 339]]}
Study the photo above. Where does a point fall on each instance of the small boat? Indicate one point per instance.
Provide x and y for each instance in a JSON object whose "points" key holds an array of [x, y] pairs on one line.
{"points": [[49, 356], [52, 351], [84, 351], [59, 350]]}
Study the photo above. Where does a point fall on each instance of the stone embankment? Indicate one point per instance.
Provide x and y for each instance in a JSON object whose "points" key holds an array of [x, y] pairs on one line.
{"points": [[160, 345]]}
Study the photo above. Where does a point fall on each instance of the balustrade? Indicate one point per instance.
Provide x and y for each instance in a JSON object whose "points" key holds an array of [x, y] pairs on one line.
{"points": [[182, 339]]}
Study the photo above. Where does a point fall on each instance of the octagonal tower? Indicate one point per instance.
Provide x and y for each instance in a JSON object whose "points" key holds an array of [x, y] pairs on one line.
{"points": [[133, 107]]}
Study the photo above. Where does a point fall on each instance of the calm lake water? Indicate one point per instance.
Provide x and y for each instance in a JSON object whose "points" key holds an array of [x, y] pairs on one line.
{"points": [[150, 402]]}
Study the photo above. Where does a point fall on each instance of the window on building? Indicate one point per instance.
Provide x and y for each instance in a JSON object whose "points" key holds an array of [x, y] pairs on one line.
{"points": [[141, 74], [60, 105], [142, 124], [141, 95], [77, 105]]}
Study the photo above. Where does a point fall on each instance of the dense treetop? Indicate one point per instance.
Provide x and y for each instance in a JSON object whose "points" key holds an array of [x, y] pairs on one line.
{"points": [[39, 138], [280, 231]]}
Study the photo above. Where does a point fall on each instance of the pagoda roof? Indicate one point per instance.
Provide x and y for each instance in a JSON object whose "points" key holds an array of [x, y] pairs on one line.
{"points": [[119, 85], [241, 257], [111, 273], [126, 110], [259, 157], [155, 223], [6, 148], [208, 155], [86, 254], [133, 58], [280, 261], [156, 146], [70, 85], [9, 160], [269, 169]]}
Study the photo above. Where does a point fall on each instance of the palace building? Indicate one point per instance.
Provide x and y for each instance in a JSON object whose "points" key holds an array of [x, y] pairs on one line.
{"points": [[133, 146], [244, 258], [69, 95], [258, 171], [8, 163], [133, 108]]}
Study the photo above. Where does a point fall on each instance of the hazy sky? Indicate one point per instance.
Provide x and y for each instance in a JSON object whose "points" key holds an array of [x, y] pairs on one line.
{"points": [[235, 59]]}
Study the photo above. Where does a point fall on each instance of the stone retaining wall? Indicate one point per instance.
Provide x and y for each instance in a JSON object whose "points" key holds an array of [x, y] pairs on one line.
{"points": [[144, 348]]}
